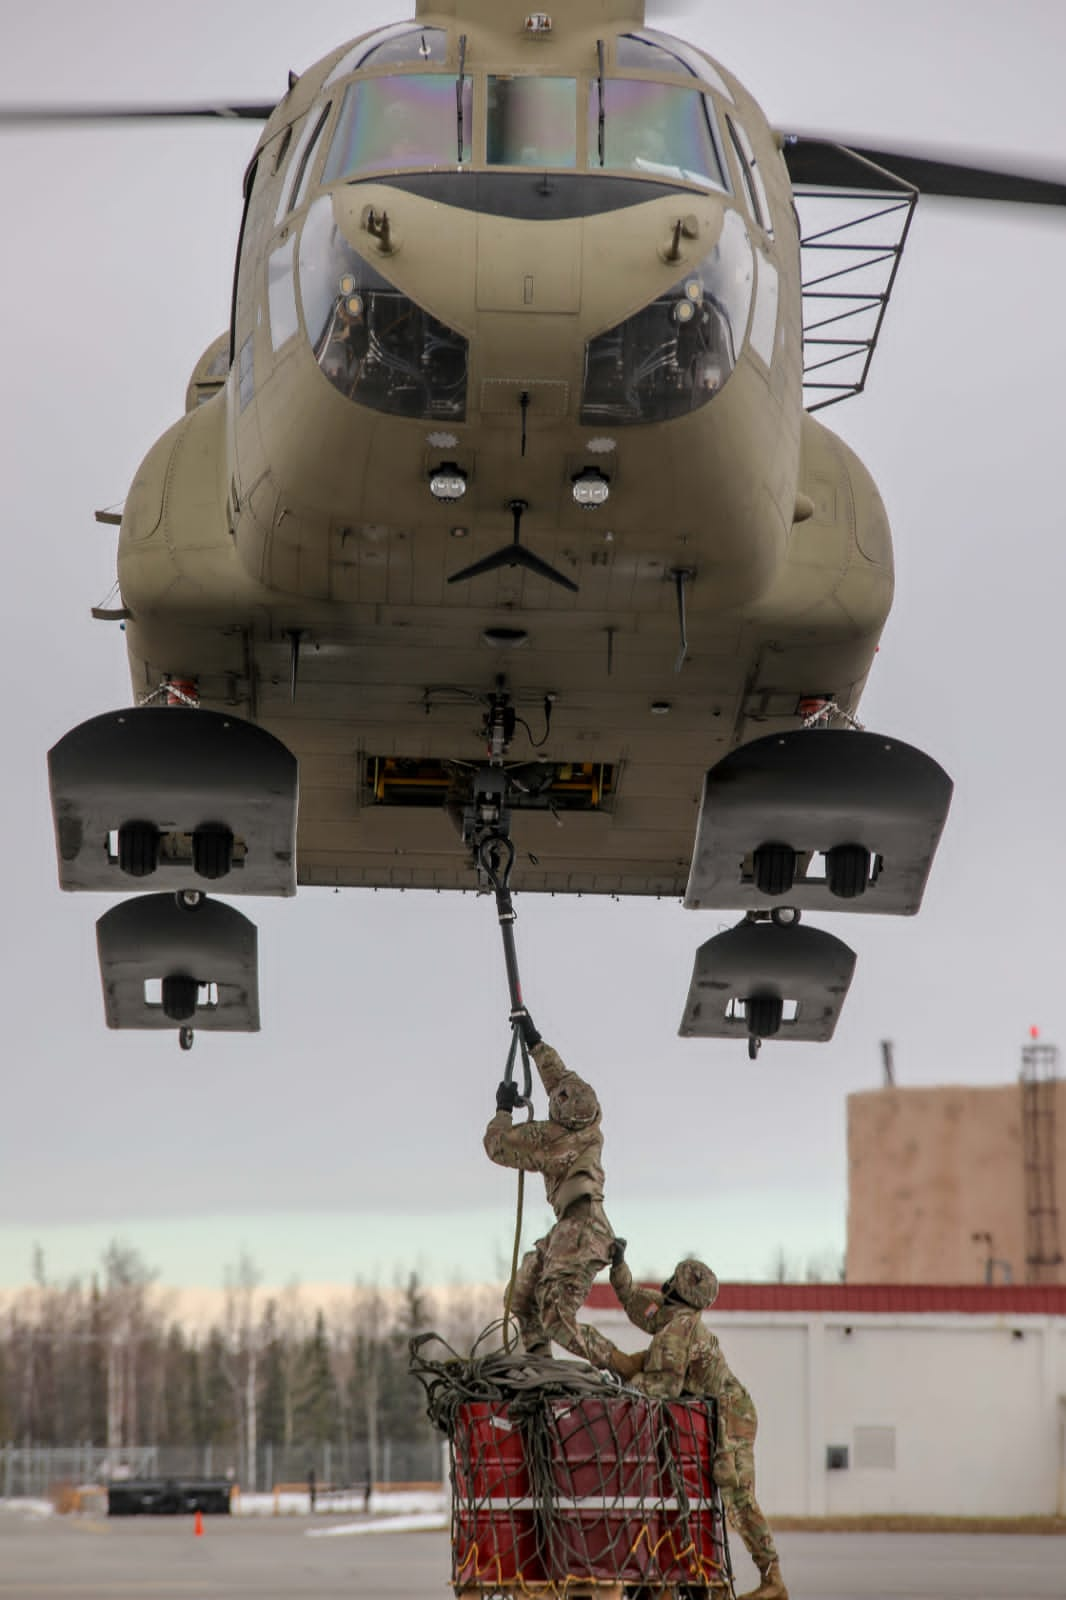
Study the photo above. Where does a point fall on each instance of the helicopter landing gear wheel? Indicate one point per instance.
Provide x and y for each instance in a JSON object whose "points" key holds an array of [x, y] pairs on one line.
{"points": [[138, 849], [764, 1013], [179, 998], [185, 1038], [785, 916], [212, 851], [847, 870], [774, 868]]}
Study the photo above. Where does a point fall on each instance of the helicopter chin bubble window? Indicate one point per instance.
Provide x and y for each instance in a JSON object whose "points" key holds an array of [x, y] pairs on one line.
{"points": [[674, 355], [532, 122], [371, 341], [656, 128], [403, 120]]}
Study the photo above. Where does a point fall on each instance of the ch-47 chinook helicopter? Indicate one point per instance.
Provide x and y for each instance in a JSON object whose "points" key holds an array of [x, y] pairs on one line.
{"points": [[498, 504]]}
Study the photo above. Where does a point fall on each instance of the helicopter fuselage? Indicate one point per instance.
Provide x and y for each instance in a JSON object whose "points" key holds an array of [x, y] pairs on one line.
{"points": [[564, 277]]}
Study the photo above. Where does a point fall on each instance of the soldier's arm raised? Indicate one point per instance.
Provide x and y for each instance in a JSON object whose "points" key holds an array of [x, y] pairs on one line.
{"points": [[550, 1065], [511, 1146], [641, 1306]]}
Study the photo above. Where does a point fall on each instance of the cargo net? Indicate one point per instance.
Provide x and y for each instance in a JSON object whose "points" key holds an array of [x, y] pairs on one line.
{"points": [[563, 1479]]}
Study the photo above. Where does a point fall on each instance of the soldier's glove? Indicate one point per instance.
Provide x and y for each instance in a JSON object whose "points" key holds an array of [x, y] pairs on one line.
{"points": [[627, 1366], [526, 1026], [507, 1096], [617, 1252]]}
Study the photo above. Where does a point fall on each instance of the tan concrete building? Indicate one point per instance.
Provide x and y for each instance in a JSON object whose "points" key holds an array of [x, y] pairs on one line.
{"points": [[930, 1168]]}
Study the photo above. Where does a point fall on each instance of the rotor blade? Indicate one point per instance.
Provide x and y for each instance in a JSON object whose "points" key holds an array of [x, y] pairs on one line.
{"points": [[513, 555], [822, 163], [45, 116]]}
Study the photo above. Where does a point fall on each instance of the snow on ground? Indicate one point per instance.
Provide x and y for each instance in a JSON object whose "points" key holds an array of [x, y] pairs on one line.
{"points": [[27, 1508], [389, 1507], [423, 1522]]}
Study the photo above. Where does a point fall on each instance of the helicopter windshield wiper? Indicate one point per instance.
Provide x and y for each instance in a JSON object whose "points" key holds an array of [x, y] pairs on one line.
{"points": [[459, 82], [514, 554], [602, 121]]}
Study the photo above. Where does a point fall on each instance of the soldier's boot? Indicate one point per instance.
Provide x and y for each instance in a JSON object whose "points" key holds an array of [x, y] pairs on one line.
{"points": [[771, 1586]]}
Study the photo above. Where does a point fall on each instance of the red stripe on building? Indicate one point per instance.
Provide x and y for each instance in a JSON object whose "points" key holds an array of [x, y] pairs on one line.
{"points": [[977, 1299]]}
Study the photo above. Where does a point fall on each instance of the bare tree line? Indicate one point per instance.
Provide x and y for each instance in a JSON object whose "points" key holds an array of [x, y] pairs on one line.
{"points": [[108, 1363]]}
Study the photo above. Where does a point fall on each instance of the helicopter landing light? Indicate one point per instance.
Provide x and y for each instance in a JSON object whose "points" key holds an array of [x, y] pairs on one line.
{"points": [[591, 488], [447, 482], [684, 311], [694, 290]]}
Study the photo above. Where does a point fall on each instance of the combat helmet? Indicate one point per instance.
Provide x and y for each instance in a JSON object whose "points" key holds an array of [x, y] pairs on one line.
{"points": [[573, 1104], [694, 1283]]}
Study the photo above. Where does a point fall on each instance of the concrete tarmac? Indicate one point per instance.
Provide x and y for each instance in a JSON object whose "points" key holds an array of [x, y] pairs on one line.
{"points": [[79, 1558]]}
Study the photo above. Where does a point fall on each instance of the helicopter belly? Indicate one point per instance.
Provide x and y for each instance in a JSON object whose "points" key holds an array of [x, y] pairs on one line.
{"points": [[376, 681]]}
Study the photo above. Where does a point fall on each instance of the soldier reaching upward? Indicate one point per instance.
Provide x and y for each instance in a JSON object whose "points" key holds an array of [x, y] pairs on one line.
{"points": [[554, 1277], [683, 1358]]}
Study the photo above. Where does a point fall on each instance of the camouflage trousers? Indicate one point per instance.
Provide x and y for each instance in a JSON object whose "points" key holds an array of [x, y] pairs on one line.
{"points": [[554, 1278], [734, 1472]]}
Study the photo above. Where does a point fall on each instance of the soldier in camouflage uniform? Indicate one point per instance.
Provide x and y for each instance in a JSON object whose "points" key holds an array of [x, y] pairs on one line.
{"points": [[684, 1357], [554, 1277]]}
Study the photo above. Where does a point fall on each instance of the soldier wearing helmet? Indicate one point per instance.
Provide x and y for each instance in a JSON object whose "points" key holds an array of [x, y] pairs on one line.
{"points": [[685, 1358], [554, 1277]]}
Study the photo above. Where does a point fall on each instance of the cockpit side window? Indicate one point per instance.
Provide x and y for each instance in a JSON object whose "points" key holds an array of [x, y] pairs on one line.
{"points": [[302, 167], [532, 122], [390, 123], [400, 42], [657, 129], [294, 166], [752, 177]]}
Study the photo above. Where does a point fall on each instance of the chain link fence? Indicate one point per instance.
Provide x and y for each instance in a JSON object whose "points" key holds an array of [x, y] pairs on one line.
{"points": [[35, 1471]]}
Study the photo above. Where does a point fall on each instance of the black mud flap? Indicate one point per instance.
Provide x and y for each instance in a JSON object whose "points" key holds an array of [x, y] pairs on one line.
{"points": [[737, 972], [168, 965], [174, 798], [793, 798]]}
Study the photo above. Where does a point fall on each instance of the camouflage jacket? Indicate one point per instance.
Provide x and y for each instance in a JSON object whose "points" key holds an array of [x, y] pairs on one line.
{"points": [[568, 1158], [684, 1357]]}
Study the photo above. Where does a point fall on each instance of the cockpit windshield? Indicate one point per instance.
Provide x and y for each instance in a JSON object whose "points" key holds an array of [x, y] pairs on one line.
{"points": [[654, 128], [661, 52], [532, 122], [399, 42], [408, 120]]}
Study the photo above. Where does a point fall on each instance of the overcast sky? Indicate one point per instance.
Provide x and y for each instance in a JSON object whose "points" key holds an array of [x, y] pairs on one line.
{"points": [[346, 1138]]}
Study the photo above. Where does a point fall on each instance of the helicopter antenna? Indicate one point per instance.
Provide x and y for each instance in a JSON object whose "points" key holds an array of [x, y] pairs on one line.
{"points": [[514, 554], [459, 82]]}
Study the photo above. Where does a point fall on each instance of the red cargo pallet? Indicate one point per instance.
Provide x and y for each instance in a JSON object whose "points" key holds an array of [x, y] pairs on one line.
{"points": [[597, 1492]]}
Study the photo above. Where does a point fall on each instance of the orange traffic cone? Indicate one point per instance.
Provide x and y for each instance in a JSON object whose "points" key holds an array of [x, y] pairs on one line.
{"points": [[198, 1524]]}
